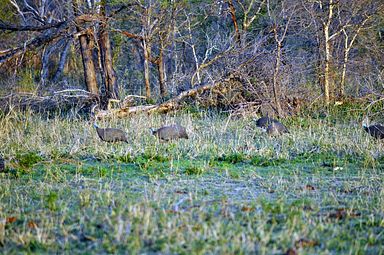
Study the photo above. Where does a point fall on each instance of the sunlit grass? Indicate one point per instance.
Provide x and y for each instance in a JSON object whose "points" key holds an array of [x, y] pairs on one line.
{"points": [[229, 189]]}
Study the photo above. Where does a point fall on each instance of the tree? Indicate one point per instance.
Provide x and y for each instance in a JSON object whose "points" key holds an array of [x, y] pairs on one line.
{"points": [[353, 18], [87, 44], [280, 17], [109, 74], [56, 24], [337, 18], [156, 24]]}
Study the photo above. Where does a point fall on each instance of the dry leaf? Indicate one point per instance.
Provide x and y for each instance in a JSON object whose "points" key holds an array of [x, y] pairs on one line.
{"points": [[247, 209], [32, 224], [10, 220], [305, 243]]}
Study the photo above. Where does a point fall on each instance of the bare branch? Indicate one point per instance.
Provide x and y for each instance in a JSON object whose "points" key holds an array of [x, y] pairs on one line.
{"points": [[11, 27]]}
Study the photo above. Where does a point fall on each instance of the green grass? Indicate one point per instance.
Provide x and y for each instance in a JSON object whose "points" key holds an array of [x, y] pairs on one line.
{"points": [[229, 189]]}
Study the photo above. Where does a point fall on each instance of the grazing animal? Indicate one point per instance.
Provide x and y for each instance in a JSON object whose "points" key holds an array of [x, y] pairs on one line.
{"points": [[276, 128], [264, 122], [172, 132], [376, 130], [109, 134]]}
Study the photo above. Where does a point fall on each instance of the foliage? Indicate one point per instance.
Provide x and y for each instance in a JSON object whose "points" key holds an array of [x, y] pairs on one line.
{"points": [[232, 158], [6, 13], [28, 159]]}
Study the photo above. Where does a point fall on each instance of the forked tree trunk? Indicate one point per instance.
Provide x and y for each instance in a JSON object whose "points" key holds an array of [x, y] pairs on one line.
{"points": [[192, 45], [106, 57], [347, 47], [86, 46]]}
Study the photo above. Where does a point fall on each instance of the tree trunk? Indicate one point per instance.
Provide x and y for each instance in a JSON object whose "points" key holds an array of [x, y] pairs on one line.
{"points": [[86, 46], [45, 64], [347, 47], [343, 73], [63, 59], [327, 53], [276, 84], [327, 58], [147, 54], [106, 57], [160, 68], [192, 45]]}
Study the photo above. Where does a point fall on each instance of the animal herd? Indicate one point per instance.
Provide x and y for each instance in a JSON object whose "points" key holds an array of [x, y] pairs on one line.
{"points": [[173, 132], [165, 133]]}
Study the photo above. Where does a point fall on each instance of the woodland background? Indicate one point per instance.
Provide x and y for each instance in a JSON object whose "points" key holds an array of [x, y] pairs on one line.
{"points": [[238, 54]]}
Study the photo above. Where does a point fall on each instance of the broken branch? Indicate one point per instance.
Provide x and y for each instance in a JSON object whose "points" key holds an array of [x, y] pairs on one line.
{"points": [[171, 104]]}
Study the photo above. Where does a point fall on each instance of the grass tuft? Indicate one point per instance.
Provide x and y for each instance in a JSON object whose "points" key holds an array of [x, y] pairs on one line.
{"points": [[232, 158], [28, 159]]}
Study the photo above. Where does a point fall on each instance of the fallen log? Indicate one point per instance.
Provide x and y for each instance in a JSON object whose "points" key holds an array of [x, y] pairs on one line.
{"points": [[59, 101], [170, 105]]}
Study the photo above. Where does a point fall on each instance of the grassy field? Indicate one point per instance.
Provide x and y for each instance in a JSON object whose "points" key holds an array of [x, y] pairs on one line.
{"points": [[229, 189]]}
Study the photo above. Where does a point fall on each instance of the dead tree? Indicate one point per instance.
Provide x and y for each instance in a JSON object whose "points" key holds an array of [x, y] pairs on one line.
{"points": [[110, 79], [86, 46]]}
